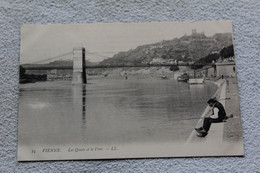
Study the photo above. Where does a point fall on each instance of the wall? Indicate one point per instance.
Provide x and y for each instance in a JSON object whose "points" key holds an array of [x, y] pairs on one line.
{"points": [[245, 17], [229, 69]]}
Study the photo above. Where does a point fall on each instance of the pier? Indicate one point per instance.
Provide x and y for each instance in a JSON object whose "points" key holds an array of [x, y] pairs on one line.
{"points": [[79, 66]]}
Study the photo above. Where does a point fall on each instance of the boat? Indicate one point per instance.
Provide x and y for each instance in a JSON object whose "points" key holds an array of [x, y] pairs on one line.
{"points": [[196, 81], [164, 77], [183, 78]]}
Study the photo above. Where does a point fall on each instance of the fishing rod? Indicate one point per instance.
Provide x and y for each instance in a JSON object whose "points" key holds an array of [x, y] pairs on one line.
{"points": [[227, 117], [198, 102]]}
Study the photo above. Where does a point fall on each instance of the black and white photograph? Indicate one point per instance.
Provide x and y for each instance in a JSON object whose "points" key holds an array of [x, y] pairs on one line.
{"points": [[128, 90]]}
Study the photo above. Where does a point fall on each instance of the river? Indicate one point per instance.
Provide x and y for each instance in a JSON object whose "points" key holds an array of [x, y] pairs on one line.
{"points": [[109, 111]]}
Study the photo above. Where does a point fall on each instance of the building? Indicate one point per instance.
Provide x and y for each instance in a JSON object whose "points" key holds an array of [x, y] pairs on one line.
{"points": [[227, 69]]}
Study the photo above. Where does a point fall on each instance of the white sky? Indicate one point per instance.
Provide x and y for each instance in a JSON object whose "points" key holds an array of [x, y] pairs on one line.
{"points": [[39, 42]]}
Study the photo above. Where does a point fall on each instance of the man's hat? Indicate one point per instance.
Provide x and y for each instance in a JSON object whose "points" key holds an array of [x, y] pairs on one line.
{"points": [[211, 101]]}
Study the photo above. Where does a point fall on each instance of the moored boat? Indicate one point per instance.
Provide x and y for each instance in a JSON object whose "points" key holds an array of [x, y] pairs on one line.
{"points": [[183, 78], [164, 77], [196, 81]]}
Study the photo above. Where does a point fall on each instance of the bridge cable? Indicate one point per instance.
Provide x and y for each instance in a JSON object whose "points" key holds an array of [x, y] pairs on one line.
{"points": [[55, 57]]}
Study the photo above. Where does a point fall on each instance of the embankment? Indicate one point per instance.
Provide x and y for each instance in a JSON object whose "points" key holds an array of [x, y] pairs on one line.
{"points": [[219, 95]]}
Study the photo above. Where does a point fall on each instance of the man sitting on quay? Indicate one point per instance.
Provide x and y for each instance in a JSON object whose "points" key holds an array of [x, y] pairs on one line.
{"points": [[218, 115]]}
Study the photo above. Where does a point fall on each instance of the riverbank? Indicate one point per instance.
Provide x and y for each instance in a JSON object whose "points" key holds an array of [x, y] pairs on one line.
{"points": [[220, 83], [223, 138]]}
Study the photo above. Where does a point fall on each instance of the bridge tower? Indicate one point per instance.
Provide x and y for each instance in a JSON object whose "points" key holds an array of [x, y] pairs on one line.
{"points": [[79, 66]]}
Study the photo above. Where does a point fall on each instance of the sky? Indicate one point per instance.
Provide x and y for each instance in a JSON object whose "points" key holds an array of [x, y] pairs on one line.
{"points": [[41, 42]]}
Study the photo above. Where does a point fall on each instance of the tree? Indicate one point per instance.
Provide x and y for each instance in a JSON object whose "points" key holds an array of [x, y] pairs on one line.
{"points": [[205, 60], [22, 71], [174, 68], [227, 52]]}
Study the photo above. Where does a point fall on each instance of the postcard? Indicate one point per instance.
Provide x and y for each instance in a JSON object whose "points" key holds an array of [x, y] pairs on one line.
{"points": [[128, 90]]}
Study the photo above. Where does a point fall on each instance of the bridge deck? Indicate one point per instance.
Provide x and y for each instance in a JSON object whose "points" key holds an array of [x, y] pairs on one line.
{"points": [[51, 67]]}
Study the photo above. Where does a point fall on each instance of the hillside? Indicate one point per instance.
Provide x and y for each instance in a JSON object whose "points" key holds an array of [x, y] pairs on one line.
{"points": [[187, 49]]}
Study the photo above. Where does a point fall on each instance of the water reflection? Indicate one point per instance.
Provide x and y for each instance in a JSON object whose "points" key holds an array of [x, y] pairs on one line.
{"points": [[84, 105], [79, 100], [80, 107]]}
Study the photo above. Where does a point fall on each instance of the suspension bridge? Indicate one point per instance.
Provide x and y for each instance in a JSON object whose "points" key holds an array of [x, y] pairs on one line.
{"points": [[79, 66], [45, 65]]}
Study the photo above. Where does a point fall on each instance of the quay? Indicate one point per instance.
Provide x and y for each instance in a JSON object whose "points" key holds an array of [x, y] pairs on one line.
{"points": [[223, 138]]}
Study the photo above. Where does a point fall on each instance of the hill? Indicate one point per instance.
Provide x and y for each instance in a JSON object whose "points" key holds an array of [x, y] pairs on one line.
{"points": [[187, 49]]}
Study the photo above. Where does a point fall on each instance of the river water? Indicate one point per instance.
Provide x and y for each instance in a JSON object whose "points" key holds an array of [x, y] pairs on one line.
{"points": [[109, 111]]}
